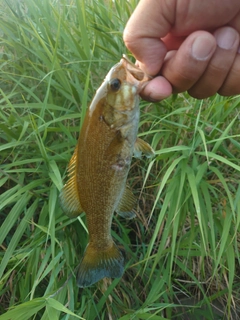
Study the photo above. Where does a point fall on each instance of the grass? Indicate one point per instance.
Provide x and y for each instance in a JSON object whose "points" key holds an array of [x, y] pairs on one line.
{"points": [[183, 247]]}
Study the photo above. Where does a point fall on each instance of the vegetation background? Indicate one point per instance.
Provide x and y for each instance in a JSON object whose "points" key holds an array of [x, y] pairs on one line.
{"points": [[182, 248]]}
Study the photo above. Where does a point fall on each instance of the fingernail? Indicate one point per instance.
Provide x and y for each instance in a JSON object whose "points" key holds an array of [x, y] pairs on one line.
{"points": [[202, 48], [226, 37], [150, 99]]}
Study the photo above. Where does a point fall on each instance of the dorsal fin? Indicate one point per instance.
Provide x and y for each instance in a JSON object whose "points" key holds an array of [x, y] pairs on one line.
{"points": [[69, 198]]}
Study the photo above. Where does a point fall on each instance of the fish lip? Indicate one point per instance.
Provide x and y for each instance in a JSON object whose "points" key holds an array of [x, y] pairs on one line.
{"points": [[131, 67], [139, 76], [133, 74]]}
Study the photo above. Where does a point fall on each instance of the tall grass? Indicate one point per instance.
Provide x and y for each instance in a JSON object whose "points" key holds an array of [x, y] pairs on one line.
{"points": [[183, 247]]}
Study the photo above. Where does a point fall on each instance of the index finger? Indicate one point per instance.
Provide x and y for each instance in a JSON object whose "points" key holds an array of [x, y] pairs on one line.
{"points": [[143, 33]]}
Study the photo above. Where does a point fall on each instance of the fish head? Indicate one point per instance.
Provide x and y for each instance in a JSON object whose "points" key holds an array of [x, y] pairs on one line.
{"points": [[117, 100], [118, 96], [124, 82]]}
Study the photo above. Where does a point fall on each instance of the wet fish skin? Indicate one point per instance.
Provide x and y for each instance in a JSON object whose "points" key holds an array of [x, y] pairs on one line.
{"points": [[99, 167]]}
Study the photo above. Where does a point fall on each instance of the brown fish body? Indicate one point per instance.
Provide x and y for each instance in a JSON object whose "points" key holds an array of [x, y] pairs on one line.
{"points": [[106, 146], [99, 167]]}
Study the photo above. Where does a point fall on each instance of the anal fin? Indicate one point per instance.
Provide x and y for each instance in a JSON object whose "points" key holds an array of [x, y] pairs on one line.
{"points": [[126, 204]]}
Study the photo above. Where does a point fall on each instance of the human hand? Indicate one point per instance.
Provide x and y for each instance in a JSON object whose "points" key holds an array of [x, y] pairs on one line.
{"points": [[188, 45]]}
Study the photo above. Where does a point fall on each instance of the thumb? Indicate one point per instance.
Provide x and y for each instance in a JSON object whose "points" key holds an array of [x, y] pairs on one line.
{"points": [[143, 33]]}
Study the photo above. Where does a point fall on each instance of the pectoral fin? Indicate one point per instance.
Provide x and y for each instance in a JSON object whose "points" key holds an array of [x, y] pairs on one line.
{"points": [[69, 198], [143, 147], [126, 204]]}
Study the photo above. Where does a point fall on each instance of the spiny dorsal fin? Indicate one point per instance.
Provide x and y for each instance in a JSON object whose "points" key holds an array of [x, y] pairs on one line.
{"points": [[69, 199], [98, 264], [126, 204], [143, 147]]}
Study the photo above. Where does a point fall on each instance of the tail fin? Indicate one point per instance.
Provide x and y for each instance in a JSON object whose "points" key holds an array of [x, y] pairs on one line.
{"points": [[97, 264]]}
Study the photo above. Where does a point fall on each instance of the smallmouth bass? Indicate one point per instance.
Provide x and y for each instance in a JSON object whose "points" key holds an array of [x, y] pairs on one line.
{"points": [[98, 169]]}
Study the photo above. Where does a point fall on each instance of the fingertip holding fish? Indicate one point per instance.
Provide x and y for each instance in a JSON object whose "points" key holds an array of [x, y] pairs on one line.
{"points": [[98, 169]]}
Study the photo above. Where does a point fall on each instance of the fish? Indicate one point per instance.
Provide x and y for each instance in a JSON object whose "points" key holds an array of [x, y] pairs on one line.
{"points": [[98, 169]]}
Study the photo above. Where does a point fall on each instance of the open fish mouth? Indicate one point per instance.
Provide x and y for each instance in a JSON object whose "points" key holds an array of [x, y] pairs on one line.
{"points": [[135, 72]]}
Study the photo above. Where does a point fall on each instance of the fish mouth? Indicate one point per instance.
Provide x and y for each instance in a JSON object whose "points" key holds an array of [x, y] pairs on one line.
{"points": [[135, 73]]}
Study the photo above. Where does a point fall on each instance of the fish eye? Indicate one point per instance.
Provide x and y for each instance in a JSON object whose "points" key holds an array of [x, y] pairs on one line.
{"points": [[115, 84]]}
